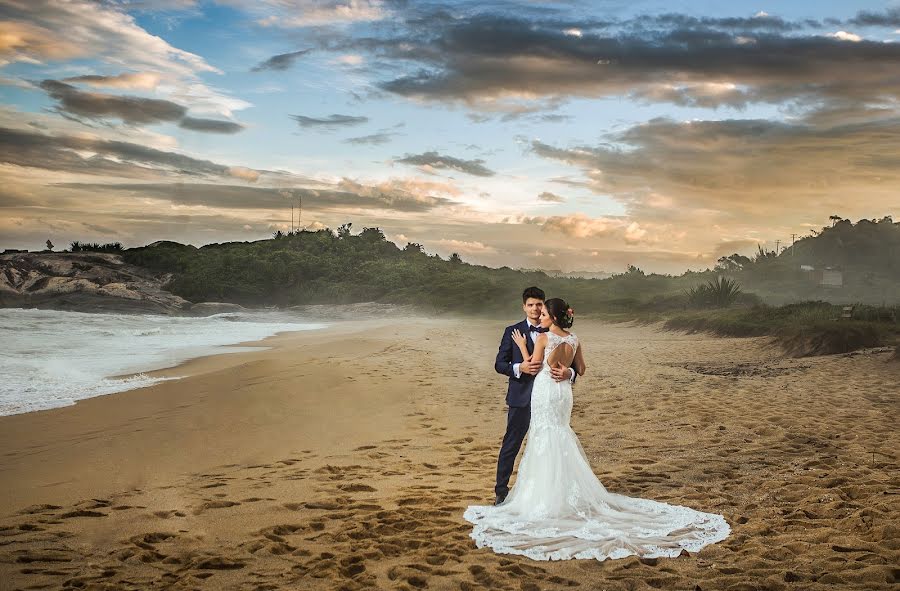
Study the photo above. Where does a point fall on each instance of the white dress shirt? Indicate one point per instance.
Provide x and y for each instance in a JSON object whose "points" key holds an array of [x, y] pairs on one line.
{"points": [[533, 335]]}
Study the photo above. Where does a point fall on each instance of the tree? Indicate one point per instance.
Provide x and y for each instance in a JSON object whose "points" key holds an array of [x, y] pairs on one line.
{"points": [[372, 235], [835, 219], [763, 254], [278, 234], [49, 245], [734, 262], [455, 259], [343, 230]]}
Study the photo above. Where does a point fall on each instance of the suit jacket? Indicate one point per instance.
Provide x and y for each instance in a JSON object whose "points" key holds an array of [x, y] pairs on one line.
{"points": [[518, 393]]}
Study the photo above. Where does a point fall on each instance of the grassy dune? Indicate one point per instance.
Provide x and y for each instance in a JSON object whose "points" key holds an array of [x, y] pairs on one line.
{"points": [[802, 329]]}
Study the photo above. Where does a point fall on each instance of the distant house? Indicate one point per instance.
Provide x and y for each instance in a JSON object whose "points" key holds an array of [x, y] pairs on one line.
{"points": [[826, 277], [832, 278]]}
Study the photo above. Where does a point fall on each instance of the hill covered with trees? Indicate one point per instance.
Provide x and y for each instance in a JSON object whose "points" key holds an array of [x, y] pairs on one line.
{"points": [[742, 296], [866, 254], [325, 266]]}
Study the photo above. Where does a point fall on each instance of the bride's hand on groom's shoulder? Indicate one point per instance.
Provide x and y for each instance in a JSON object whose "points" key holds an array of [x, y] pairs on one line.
{"points": [[518, 337]]}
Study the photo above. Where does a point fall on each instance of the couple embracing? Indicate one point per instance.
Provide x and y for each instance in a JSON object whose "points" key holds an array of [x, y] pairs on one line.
{"points": [[558, 509]]}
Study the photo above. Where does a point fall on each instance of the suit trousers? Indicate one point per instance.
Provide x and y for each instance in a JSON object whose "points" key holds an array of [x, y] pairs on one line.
{"points": [[517, 421]]}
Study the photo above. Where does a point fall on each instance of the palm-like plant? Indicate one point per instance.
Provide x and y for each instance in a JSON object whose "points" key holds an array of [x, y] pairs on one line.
{"points": [[724, 291], [720, 292]]}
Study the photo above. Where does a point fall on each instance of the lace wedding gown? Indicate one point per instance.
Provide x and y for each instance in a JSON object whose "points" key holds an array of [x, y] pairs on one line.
{"points": [[558, 509]]}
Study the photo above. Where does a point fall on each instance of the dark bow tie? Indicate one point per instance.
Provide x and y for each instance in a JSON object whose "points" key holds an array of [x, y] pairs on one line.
{"points": [[539, 329]]}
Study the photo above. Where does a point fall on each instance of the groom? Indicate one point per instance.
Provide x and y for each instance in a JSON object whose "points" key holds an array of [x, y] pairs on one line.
{"points": [[521, 377]]}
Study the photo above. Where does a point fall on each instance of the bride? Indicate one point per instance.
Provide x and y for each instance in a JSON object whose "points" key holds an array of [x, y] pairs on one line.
{"points": [[558, 509]]}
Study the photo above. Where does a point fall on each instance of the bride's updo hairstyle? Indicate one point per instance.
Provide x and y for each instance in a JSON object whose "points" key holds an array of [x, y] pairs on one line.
{"points": [[560, 312]]}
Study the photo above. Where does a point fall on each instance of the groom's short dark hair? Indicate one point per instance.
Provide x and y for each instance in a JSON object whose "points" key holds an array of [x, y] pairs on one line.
{"points": [[533, 292]]}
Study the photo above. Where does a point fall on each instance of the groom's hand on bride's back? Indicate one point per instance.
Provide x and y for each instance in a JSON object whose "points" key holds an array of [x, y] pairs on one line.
{"points": [[530, 367], [560, 372]]}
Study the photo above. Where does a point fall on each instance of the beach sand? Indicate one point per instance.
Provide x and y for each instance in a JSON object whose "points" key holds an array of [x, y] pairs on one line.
{"points": [[344, 459]]}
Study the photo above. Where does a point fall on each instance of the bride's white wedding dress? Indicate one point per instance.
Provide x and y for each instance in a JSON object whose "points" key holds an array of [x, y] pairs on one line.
{"points": [[558, 509]]}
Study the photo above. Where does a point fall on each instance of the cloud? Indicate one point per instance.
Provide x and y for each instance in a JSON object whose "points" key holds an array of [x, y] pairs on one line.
{"points": [[351, 59], [210, 125], [462, 246], [744, 173], [580, 225], [99, 157], [729, 247], [49, 30], [281, 62], [309, 13], [433, 160], [135, 81], [96, 29], [375, 139], [845, 36], [888, 18], [28, 42], [329, 122], [130, 109], [18, 83], [494, 62], [241, 172], [551, 197], [160, 5], [346, 195]]}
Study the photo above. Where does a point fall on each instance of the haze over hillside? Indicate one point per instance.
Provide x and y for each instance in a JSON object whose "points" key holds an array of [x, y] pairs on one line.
{"points": [[843, 263]]}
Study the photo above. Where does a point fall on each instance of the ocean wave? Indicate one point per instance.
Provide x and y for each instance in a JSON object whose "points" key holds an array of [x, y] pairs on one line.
{"points": [[53, 358]]}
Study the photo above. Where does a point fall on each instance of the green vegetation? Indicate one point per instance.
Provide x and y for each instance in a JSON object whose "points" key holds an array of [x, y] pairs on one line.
{"points": [[802, 329], [114, 247], [721, 292], [736, 298]]}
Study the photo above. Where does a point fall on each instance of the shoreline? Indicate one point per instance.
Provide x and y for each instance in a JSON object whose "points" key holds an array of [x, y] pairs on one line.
{"points": [[115, 353], [114, 408]]}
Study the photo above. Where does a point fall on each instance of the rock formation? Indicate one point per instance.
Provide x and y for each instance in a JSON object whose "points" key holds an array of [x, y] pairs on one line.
{"points": [[84, 282]]}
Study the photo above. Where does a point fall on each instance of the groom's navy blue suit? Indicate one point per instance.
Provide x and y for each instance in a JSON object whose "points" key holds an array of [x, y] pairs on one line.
{"points": [[518, 398]]}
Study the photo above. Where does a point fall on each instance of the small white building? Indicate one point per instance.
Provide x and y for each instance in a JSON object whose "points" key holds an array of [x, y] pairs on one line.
{"points": [[832, 278]]}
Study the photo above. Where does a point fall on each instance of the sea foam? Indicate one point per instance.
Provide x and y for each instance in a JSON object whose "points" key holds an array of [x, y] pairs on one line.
{"points": [[50, 358]]}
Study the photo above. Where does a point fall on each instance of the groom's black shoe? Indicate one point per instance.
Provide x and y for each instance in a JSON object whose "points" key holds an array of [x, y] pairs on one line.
{"points": [[499, 500]]}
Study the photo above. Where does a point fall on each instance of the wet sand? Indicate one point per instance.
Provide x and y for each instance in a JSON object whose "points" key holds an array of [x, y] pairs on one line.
{"points": [[343, 459]]}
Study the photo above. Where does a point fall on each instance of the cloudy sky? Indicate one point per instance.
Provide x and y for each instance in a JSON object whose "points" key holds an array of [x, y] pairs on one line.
{"points": [[557, 135]]}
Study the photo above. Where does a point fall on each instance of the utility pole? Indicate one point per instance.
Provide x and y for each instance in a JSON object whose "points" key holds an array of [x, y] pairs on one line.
{"points": [[292, 218], [777, 245], [793, 238]]}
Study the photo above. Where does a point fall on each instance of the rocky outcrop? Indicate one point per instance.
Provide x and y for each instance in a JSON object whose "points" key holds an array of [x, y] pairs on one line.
{"points": [[84, 282]]}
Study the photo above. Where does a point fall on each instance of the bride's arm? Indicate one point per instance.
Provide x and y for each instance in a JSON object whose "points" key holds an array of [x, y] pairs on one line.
{"points": [[519, 339], [539, 345], [578, 363]]}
